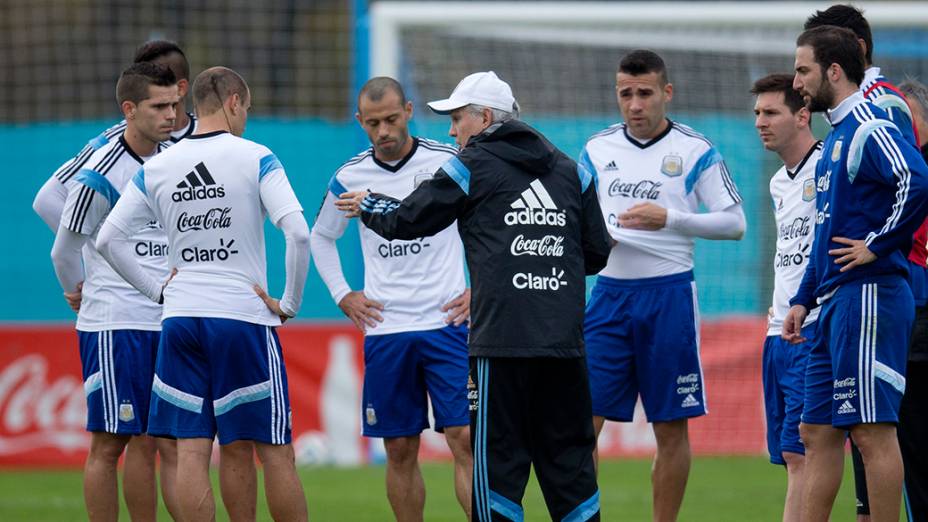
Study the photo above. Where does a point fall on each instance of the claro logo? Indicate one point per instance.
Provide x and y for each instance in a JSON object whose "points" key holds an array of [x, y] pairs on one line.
{"points": [[530, 281]]}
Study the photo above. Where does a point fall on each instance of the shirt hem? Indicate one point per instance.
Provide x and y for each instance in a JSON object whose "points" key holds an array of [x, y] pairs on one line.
{"points": [[248, 318]]}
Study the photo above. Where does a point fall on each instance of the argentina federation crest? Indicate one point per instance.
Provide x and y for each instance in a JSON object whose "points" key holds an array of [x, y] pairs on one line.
{"points": [[371, 415], [672, 165], [836, 151], [808, 190], [126, 412]]}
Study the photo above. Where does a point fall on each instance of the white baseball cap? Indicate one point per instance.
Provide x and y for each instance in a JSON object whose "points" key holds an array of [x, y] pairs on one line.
{"points": [[482, 88]]}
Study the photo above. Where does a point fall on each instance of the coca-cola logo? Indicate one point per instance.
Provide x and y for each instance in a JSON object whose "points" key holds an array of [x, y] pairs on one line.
{"points": [[210, 220], [546, 246], [36, 413], [799, 227], [644, 189]]}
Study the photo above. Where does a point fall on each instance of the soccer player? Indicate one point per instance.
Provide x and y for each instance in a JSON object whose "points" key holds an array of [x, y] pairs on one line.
{"points": [[410, 347], [49, 201], [879, 91], [782, 120], [913, 424], [219, 368], [117, 326], [872, 195], [531, 227], [642, 321]]}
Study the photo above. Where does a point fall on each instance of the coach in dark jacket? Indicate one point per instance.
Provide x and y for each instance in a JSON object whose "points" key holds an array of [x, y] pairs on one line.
{"points": [[532, 230]]}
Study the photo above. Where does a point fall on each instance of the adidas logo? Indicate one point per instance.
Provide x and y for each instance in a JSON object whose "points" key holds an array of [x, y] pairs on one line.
{"points": [[689, 401], [193, 187], [611, 166], [846, 408], [535, 207]]}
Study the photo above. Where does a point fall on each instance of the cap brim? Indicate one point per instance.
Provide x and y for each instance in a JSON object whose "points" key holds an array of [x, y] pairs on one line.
{"points": [[445, 106]]}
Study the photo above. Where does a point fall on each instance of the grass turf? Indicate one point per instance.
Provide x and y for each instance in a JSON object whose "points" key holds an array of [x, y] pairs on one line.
{"points": [[720, 489]]}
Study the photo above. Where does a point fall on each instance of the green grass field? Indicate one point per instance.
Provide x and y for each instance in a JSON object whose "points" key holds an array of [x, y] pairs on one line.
{"points": [[720, 489]]}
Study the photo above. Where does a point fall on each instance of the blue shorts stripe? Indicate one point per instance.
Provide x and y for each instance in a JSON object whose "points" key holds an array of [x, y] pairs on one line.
{"points": [[176, 397], [585, 510], [241, 396], [93, 383], [278, 404], [506, 507], [483, 376]]}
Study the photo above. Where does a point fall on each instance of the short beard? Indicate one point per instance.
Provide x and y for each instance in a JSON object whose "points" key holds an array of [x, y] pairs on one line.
{"points": [[823, 99]]}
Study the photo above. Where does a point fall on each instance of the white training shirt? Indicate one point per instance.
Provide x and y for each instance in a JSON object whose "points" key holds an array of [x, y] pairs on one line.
{"points": [[49, 201], [412, 279], [212, 192], [678, 170], [793, 194], [108, 302]]}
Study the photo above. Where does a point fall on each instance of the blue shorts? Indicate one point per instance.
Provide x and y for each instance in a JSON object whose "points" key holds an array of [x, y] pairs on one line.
{"points": [[400, 368], [642, 336], [784, 382], [118, 366], [220, 376], [856, 369]]}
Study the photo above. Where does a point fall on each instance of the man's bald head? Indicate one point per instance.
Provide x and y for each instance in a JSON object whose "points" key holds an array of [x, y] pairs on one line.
{"points": [[214, 86]]}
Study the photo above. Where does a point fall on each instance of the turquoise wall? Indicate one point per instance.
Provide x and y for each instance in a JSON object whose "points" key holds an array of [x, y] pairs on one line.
{"points": [[311, 150]]}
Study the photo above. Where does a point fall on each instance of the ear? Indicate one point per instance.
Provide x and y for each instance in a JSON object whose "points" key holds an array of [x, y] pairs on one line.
{"points": [[408, 109], [803, 117], [668, 91], [128, 109], [183, 86], [234, 103], [357, 116], [487, 115]]}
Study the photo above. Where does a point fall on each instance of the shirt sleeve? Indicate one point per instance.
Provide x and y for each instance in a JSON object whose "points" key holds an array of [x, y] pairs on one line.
{"points": [[430, 208], [886, 158], [330, 221], [712, 181], [49, 202], [276, 193], [133, 210], [130, 214], [723, 224], [805, 294], [67, 258], [594, 238], [90, 199], [330, 225]]}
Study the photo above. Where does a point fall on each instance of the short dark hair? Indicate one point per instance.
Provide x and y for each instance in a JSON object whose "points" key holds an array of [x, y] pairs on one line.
{"points": [[134, 82], [375, 89], [166, 52], [212, 88], [782, 83], [643, 61], [831, 44], [848, 17]]}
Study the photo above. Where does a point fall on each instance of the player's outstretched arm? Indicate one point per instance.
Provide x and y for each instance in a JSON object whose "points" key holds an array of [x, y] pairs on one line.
{"points": [[729, 223], [428, 210]]}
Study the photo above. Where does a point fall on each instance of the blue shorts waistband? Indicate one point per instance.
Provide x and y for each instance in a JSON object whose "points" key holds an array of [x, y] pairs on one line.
{"points": [[668, 280]]}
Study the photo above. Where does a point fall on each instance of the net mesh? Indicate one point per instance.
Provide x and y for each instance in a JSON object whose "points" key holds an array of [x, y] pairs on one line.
{"points": [[59, 60]]}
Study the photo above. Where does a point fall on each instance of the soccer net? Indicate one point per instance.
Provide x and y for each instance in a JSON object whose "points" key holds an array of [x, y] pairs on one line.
{"points": [[560, 59]]}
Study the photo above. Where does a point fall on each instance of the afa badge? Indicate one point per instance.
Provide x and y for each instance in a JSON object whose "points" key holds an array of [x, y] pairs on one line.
{"points": [[371, 415], [836, 151], [126, 413], [808, 190], [672, 165]]}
